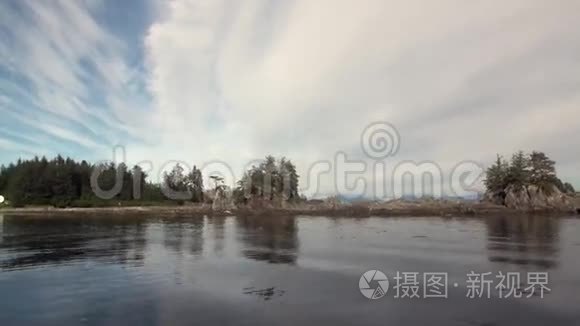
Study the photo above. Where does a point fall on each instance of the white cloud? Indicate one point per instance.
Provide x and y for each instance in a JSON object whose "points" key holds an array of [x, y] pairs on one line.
{"points": [[236, 80], [74, 70], [461, 80]]}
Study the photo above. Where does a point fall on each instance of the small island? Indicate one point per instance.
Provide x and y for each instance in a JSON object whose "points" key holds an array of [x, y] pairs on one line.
{"points": [[529, 182]]}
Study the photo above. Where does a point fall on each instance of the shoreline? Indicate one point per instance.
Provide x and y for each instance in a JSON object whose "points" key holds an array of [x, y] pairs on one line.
{"points": [[388, 209]]}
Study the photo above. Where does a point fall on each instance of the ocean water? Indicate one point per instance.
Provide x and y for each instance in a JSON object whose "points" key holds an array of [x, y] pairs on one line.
{"points": [[280, 270]]}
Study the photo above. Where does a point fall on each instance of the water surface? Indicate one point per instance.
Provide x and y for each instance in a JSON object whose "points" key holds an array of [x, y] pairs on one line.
{"points": [[179, 270]]}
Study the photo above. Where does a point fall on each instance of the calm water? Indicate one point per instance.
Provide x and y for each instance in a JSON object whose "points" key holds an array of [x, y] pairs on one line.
{"points": [[280, 270]]}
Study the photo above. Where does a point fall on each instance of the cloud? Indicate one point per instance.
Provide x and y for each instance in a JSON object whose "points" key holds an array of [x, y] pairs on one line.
{"points": [[236, 80], [66, 76], [461, 81]]}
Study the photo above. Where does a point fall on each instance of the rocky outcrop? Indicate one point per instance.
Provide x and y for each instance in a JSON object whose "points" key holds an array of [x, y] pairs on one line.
{"points": [[577, 203], [517, 198], [533, 198], [495, 198], [220, 200]]}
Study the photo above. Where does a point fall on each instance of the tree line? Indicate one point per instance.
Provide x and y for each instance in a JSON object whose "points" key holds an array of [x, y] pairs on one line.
{"points": [[64, 182], [535, 168], [271, 180]]}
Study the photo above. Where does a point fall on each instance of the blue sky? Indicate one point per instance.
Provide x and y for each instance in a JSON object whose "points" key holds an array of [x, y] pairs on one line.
{"points": [[65, 67], [199, 81]]}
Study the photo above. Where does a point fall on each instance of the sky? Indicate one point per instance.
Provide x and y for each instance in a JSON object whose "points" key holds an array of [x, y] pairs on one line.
{"points": [[204, 82]]}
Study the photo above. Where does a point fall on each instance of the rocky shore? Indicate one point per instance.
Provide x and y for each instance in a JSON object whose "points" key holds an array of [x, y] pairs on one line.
{"points": [[553, 205], [532, 198]]}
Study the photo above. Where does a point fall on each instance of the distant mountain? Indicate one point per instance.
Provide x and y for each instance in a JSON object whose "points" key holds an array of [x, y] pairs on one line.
{"points": [[355, 198]]}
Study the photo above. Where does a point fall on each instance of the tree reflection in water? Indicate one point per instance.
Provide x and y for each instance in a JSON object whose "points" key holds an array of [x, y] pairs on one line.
{"points": [[523, 241], [270, 239], [34, 241]]}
